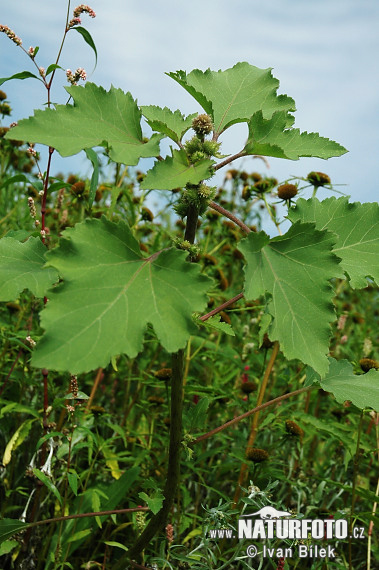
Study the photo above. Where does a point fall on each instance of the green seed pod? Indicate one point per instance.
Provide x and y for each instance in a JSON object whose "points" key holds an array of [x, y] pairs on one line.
{"points": [[287, 191], [318, 179], [257, 455], [202, 125]]}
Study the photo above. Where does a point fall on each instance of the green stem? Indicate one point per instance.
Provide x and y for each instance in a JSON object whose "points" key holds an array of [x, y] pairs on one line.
{"points": [[173, 470]]}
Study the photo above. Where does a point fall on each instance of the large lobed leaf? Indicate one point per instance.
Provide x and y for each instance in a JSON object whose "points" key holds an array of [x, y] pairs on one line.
{"points": [[176, 171], [171, 123], [294, 269], [360, 389], [110, 293], [271, 137], [234, 95], [356, 227], [97, 118], [22, 267]]}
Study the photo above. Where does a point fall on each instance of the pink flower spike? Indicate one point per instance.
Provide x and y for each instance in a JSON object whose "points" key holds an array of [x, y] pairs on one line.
{"points": [[83, 8], [11, 35]]}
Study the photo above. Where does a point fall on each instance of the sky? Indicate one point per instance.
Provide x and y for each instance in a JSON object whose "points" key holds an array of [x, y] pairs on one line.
{"points": [[325, 54]]}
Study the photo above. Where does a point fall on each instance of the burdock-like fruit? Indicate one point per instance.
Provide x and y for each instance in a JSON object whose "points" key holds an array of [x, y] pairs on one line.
{"points": [[368, 363], [287, 191], [202, 125], [318, 179], [294, 429], [256, 455]]}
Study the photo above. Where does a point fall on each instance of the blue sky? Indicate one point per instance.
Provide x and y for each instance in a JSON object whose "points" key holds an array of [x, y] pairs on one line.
{"points": [[325, 54]]}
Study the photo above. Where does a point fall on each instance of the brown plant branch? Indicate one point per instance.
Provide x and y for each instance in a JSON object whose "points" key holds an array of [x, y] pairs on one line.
{"points": [[230, 159], [221, 307], [231, 216], [254, 425], [250, 412]]}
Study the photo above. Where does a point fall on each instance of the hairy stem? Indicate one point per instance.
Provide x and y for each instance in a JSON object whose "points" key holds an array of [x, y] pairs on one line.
{"points": [[231, 216]]}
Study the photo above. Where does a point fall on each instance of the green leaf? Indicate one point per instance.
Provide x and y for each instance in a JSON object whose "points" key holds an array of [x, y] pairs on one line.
{"points": [[79, 535], [116, 544], [294, 269], [98, 118], [73, 482], [87, 38], [21, 267], [21, 75], [109, 295], [52, 68], [16, 440], [92, 156], [175, 172], [357, 229], [361, 389], [171, 123], [234, 95], [154, 503], [49, 484], [13, 179], [9, 527], [215, 323], [271, 137], [8, 546]]}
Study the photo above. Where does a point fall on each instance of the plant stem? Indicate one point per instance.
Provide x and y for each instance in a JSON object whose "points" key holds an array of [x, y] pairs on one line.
{"points": [[253, 411], [230, 159], [84, 515], [231, 216], [254, 426], [173, 469], [221, 307]]}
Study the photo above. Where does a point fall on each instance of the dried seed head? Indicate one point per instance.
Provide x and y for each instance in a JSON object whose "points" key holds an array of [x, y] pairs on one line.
{"points": [[266, 342], [156, 400], [318, 179], [163, 374], [256, 455], [3, 95], [202, 125], [294, 429], [248, 387], [287, 191], [146, 214], [255, 176], [368, 363], [78, 188]]}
